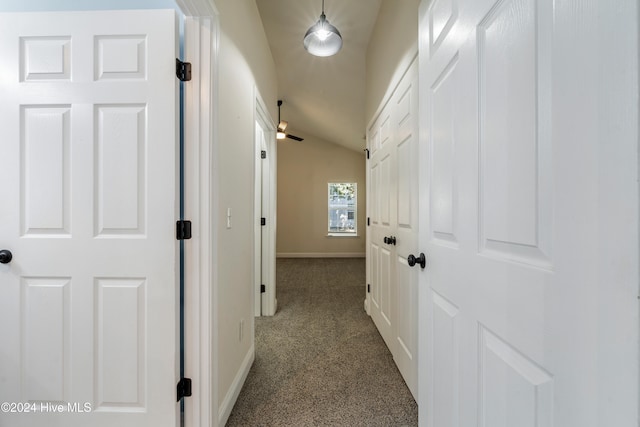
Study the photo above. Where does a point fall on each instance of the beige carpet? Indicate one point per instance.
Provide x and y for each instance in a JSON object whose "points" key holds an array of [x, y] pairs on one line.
{"points": [[320, 361]]}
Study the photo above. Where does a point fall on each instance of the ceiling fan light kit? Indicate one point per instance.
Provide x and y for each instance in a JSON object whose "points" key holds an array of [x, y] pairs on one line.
{"points": [[322, 39], [282, 126]]}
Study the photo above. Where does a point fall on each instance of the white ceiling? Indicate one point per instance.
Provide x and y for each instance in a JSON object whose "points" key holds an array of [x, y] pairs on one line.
{"points": [[322, 97]]}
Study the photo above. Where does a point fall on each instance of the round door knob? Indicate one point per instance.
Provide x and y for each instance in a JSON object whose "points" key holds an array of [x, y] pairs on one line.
{"points": [[386, 240], [5, 256], [421, 259], [392, 240]]}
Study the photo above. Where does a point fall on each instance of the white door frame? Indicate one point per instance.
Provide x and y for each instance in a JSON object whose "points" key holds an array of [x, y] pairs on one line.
{"points": [[265, 204], [269, 203], [201, 46], [258, 146]]}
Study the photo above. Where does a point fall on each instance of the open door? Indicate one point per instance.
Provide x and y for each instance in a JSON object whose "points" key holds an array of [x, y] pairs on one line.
{"points": [[88, 300], [529, 153]]}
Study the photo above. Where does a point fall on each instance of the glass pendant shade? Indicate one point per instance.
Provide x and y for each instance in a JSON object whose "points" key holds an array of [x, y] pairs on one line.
{"points": [[323, 39]]}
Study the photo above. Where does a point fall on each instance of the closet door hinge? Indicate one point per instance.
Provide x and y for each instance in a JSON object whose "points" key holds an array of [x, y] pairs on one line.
{"points": [[183, 230], [184, 388], [263, 154], [368, 288], [263, 289], [367, 151], [263, 221], [183, 70]]}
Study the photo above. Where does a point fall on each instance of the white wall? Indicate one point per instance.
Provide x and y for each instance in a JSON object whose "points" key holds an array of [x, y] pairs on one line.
{"points": [[245, 63], [392, 47], [304, 170]]}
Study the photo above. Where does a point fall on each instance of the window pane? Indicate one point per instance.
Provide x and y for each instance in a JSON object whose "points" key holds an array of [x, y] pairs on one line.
{"points": [[342, 208]]}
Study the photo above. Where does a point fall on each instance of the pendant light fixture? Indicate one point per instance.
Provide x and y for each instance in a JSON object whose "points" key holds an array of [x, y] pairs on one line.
{"points": [[323, 39]]}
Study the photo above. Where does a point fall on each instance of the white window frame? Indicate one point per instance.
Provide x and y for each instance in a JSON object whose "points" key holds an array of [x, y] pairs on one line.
{"points": [[333, 233]]}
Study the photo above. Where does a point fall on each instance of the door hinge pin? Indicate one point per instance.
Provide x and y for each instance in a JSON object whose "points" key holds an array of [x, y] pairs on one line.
{"points": [[263, 289], [368, 288], [263, 221]]}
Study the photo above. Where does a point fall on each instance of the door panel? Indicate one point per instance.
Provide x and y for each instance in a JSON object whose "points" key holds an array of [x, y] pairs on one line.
{"points": [[45, 178], [387, 287], [375, 277], [444, 365], [512, 297], [45, 323], [515, 144], [386, 188], [526, 388], [90, 140], [443, 199], [120, 358]]}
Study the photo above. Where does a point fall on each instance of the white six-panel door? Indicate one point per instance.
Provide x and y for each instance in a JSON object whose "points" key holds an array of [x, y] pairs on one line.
{"points": [[529, 189], [393, 189], [381, 171], [88, 161]]}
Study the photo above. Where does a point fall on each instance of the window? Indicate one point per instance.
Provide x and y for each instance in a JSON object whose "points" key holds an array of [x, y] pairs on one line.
{"points": [[343, 201]]}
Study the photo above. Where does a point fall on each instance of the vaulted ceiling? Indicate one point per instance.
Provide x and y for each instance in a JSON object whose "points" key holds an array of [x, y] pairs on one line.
{"points": [[323, 96]]}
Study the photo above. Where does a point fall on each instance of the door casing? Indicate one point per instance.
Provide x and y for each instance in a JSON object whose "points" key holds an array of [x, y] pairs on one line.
{"points": [[201, 47], [264, 206]]}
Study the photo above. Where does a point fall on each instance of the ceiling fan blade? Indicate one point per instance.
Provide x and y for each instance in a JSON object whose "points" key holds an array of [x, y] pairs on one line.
{"points": [[296, 138]]}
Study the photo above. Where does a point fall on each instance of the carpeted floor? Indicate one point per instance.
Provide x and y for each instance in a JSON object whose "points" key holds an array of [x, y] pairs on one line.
{"points": [[320, 360]]}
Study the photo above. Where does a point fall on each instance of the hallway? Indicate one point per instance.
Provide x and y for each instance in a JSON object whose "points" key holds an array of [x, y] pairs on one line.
{"points": [[320, 359]]}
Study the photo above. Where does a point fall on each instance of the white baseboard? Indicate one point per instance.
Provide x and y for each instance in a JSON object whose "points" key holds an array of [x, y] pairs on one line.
{"points": [[234, 391], [321, 255]]}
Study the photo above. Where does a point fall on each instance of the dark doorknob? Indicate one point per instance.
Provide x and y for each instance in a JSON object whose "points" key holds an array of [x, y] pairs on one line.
{"points": [[5, 256], [386, 240], [422, 260], [392, 240]]}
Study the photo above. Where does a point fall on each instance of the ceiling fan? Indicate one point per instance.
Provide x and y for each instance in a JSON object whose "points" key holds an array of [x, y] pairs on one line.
{"points": [[282, 126]]}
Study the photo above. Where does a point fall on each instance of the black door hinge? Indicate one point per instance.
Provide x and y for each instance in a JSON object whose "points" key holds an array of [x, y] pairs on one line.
{"points": [[263, 221], [367, 151], [263, 154], [184, 388], [183, 70], [183, 230], [368, 288], [263, 289], [368, 221]]}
